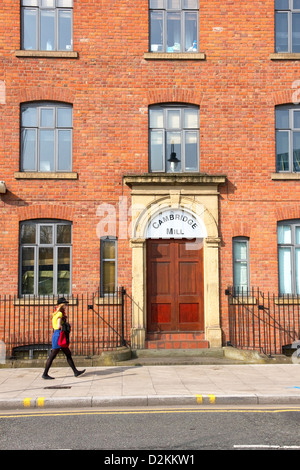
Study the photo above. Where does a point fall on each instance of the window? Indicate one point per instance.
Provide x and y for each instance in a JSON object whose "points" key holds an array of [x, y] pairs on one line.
{"points": [[108, 274], [45, 257], [241, 264], [287, 119], [174, 138], [287, 25], [288, 238], [46, 137], [174, 25], [47, 25]]}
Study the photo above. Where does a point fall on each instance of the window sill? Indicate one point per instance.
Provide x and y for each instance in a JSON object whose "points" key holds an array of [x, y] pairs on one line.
{"points": [[174, 56], [41, 301], [285, 56], [20, 175], [287, 300], [50, 54], [243, 300], [285, 176], [108, 300]]}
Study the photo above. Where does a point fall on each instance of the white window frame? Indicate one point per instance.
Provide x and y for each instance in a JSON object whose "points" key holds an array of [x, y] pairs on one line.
{"points": [[176, 6], [40, 106], [289, 12], [165, 108], [291, 131], [103, 291], [236, 282], [36, 246], [39, 6], [287, 281]]}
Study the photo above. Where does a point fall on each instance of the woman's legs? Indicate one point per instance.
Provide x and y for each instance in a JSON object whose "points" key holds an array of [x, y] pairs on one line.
{"points": [[50, 359], [68, 355]]}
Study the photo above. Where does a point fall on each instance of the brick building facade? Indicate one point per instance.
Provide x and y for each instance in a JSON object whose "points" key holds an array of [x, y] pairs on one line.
{"points": [[96, 96]]}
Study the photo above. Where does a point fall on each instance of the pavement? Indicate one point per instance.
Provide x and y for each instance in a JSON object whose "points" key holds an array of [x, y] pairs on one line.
{"points": [[126, 385]]}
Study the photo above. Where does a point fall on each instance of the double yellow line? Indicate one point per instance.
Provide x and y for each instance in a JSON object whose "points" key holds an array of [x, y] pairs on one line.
{"points": [[86, 412]]}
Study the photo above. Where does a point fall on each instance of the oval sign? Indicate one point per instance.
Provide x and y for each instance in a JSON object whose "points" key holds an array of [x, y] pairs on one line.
{"points": [[175, 223]]}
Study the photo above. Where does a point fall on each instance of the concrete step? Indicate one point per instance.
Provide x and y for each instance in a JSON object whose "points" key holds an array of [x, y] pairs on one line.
{"points": [[124, 357], [201, 356]]}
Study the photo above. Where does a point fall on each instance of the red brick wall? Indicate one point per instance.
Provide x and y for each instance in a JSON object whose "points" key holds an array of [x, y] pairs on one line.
{"points": [[111, 86]]}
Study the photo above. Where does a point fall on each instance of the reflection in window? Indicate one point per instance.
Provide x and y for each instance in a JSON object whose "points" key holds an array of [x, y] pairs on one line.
{"points": [[46, 137], [241, 264], [174, 25], [108, 274], [287, 26], [47, 25], [287, 123], [288, 239], [45, 257], [174, 138]]}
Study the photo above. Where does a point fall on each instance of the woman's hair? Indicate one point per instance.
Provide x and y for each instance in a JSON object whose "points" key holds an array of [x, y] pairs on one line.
{"points": [[60, 308]]}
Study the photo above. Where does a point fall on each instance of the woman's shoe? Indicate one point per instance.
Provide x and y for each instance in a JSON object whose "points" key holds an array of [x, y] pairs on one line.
{"points": [[47, 377], [79, 372]]}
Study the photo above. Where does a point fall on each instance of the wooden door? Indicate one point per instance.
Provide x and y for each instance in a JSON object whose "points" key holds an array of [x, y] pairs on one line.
{"points": [[175, 285]]}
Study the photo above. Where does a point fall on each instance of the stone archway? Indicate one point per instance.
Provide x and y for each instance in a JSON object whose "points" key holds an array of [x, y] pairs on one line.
{"points": [[198, 196]]}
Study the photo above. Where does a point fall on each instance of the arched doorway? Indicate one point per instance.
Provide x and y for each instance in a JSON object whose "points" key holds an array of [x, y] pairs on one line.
{"points": [[156, 200]]}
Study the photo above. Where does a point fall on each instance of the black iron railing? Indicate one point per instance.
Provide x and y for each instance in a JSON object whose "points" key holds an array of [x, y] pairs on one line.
{"points": [[98, 322], [265, 322]]}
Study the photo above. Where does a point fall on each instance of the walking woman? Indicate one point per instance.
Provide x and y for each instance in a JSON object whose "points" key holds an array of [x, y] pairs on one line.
{"points": [[58, 319]]}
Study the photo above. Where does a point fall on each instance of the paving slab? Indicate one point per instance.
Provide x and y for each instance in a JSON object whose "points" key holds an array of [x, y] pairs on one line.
{"points": [[159, 385]]}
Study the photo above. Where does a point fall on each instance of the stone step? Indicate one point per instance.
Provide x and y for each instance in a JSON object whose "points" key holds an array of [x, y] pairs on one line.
{"points": [[177, 340]]}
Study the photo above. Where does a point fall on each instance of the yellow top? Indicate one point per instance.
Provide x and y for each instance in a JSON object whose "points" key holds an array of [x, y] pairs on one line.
{"points": [[58, 314]]}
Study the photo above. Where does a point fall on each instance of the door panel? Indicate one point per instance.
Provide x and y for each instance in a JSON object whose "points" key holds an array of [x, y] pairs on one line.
{"points": [[160, 313], [174, 285], [188, 313], [188, 278], [160, 250], [160, 271]]}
